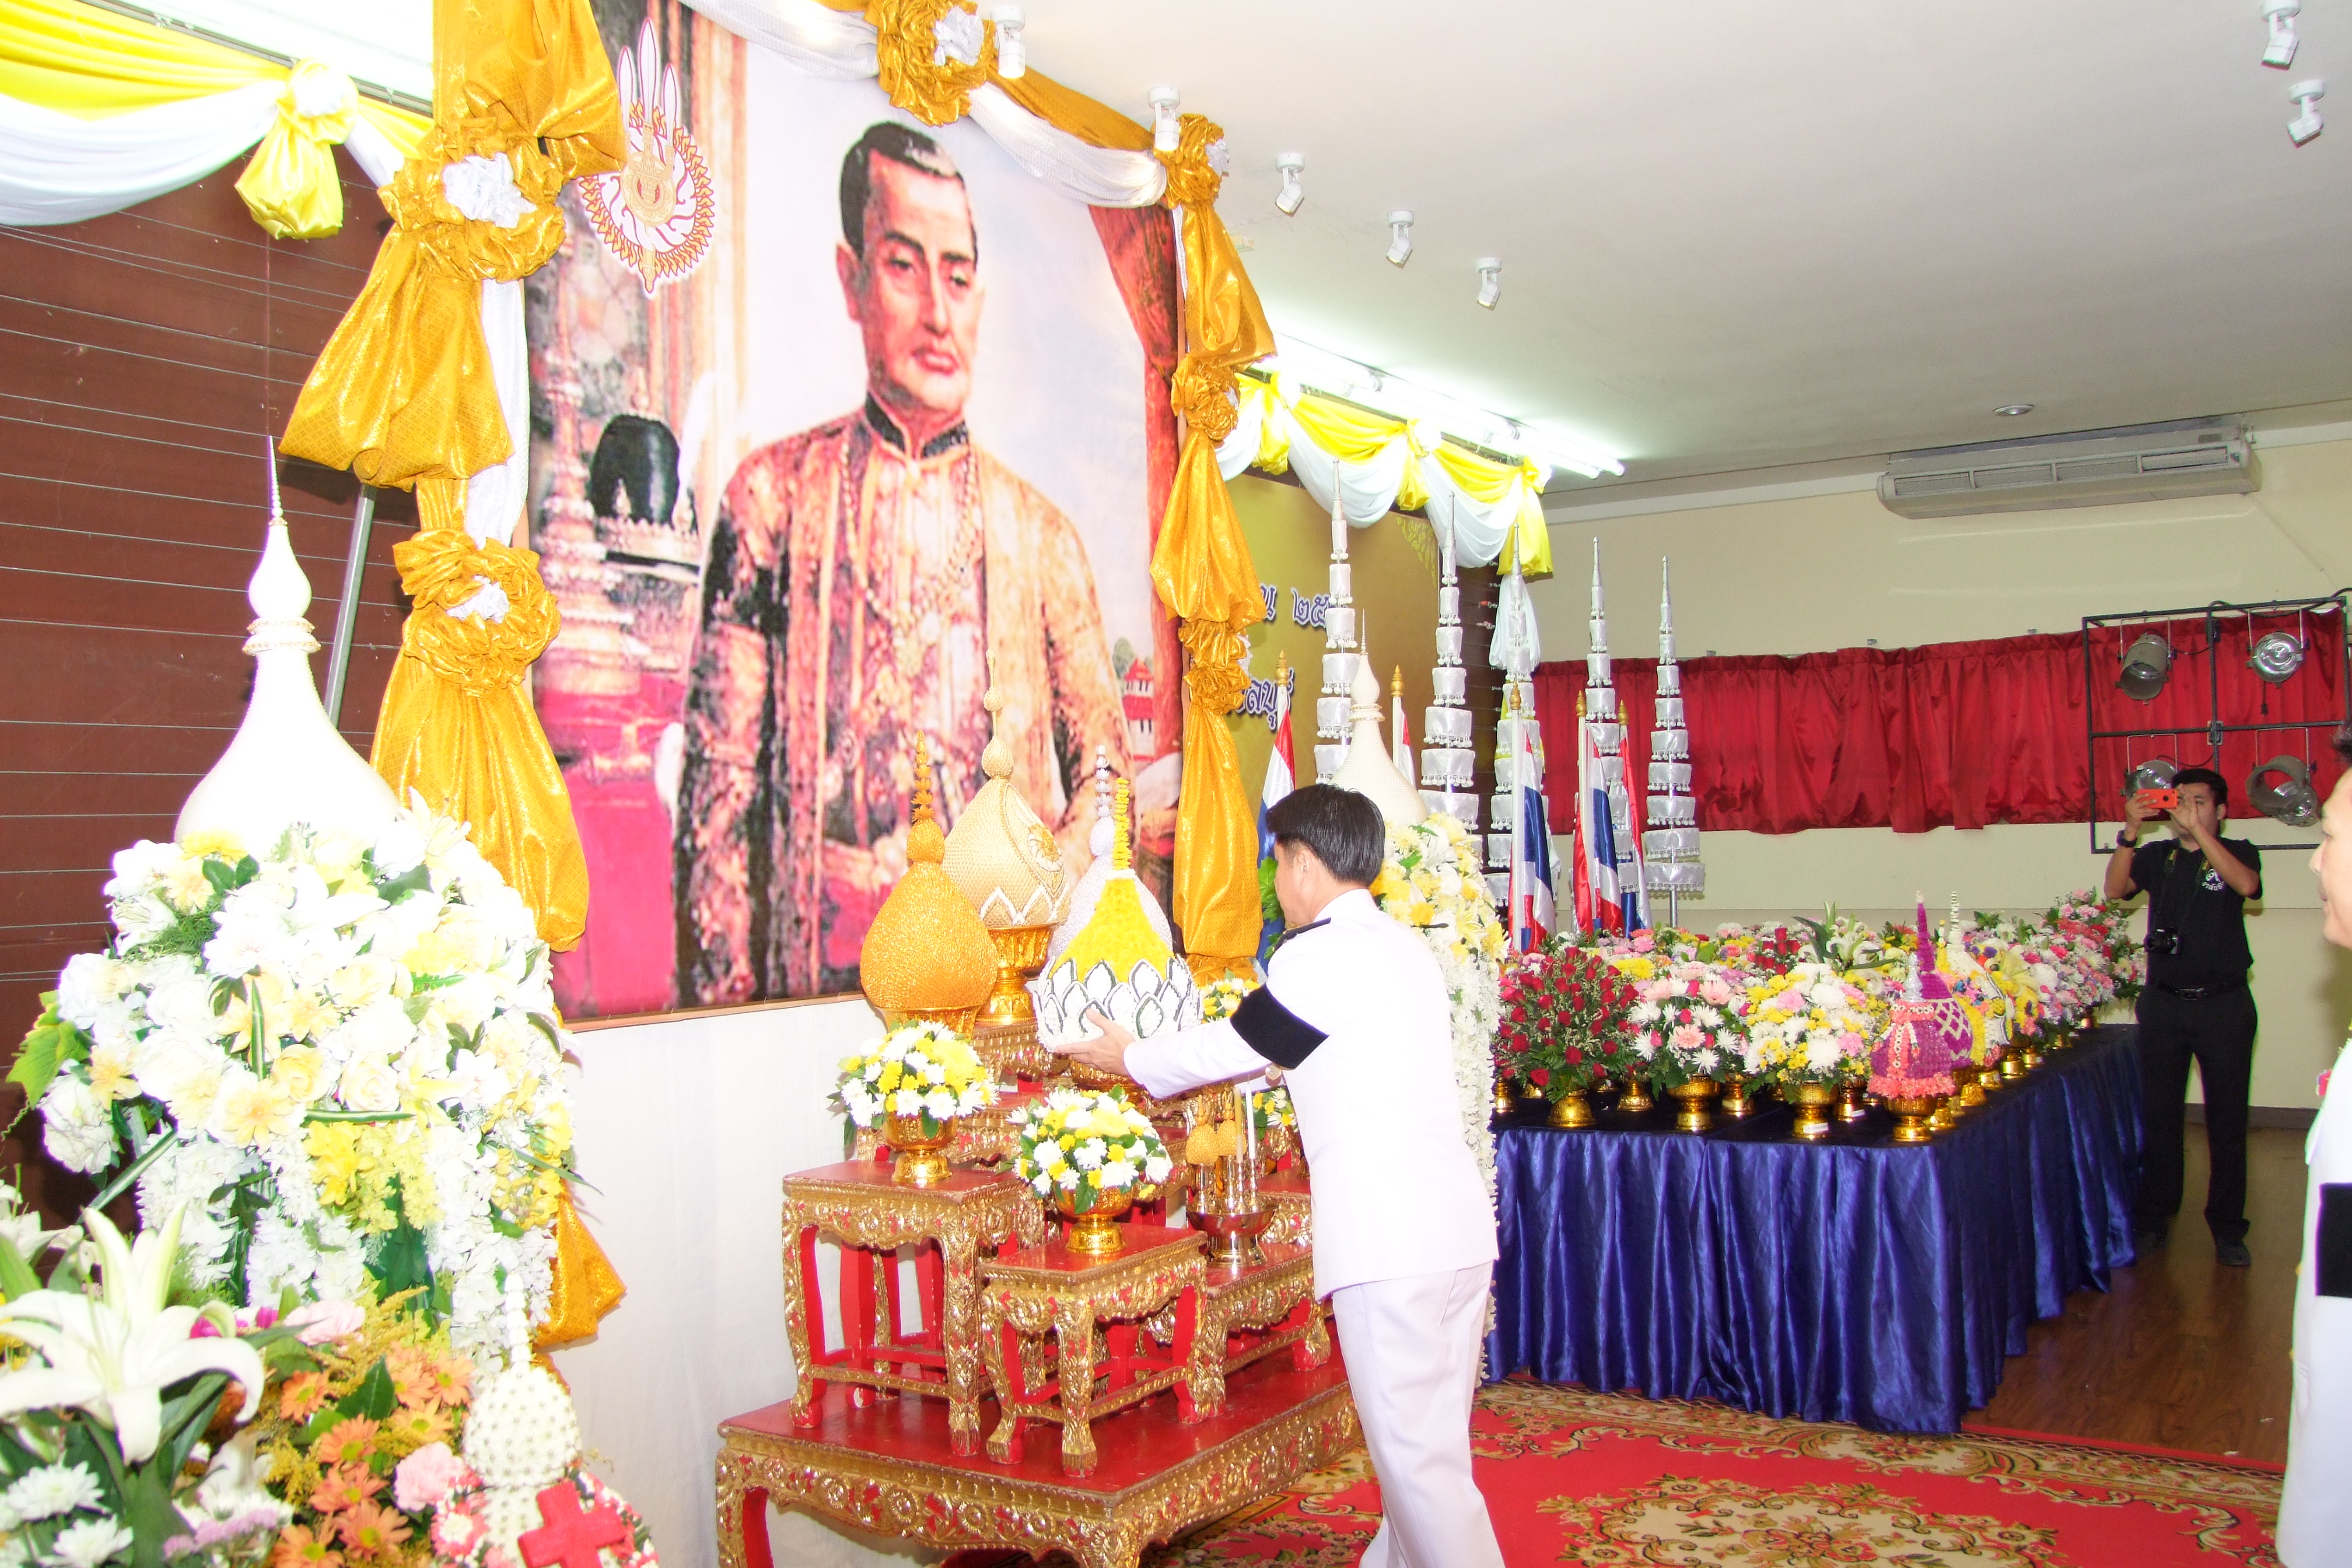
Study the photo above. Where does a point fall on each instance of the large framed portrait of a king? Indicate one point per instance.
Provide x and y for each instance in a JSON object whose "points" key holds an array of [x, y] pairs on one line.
{"points": [[840, 420]]}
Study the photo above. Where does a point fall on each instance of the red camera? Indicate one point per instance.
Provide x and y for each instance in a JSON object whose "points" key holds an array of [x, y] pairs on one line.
{"points": [[2158, 799]]}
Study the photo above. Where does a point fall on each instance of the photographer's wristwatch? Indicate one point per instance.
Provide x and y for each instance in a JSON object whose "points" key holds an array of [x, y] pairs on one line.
{"points": [[2124, 839]]}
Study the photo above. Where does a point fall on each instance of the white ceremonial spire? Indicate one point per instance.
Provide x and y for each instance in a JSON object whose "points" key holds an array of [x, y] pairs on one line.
{"points": [[1370, 769], [1448, 758], [286, 763], [1341, 657], [1671, 847]]}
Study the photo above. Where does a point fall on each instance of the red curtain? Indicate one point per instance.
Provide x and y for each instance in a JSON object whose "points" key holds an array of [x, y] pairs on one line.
{"points": [[1953, 734]]}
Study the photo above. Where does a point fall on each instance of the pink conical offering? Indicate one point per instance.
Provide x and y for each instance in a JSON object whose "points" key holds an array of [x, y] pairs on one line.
{"points": [[1927, 1032]]}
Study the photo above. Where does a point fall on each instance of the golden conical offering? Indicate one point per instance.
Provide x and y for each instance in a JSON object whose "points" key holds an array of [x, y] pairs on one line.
{"points": [[926, 956], [1008, 866]]}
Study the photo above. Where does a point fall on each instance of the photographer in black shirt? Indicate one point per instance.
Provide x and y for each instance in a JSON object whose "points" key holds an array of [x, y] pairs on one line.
{"points": [[2197, 1006]]}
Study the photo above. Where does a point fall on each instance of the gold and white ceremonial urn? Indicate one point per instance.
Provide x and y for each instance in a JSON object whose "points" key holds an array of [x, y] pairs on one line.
{"points": [[927, 958], [1009, 868], [1117, 960]]}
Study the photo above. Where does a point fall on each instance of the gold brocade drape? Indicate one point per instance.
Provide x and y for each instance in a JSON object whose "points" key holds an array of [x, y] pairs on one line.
{"points": [[1201, 567], [403, 395]]}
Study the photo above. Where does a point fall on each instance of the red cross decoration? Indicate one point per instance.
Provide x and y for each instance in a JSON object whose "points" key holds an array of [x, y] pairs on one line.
{"points": [[572, 1537]]}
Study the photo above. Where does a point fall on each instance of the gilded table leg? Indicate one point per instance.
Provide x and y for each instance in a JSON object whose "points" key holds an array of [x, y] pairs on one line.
{"points": [[799, 1301], [1076, 1332], [1111, 1546], [1206, 1374], [960, 1329], [1316, 1349]]}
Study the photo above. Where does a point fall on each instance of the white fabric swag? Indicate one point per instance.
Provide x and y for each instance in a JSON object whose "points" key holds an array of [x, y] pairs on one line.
{"points": [[839, 45], [60, 168], [1367, 490]]}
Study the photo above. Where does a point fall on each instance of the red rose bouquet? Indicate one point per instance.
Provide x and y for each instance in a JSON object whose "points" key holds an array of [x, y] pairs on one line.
{"points": [[1563, 1026]]}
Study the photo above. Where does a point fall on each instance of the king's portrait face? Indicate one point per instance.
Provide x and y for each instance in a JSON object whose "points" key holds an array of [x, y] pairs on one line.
{"points": [[915, 293]]}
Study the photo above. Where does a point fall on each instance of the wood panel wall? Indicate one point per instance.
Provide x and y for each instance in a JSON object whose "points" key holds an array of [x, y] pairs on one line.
{"points": [[145, 357]]}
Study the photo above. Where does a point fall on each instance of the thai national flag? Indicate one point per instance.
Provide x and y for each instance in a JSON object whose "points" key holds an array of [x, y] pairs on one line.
{"points": [[1533, 912], [1596, 840], [1281, 772]]}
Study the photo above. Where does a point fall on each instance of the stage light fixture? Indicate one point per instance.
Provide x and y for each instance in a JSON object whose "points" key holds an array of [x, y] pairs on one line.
{"points": [[2293, 800], [1399, 238], [2306, 124], [2157, 773], [1012, 54], [1490, 281], [1292, 194], [2276, 655], [1165, 130], [2146, 663], [2280, 15]]}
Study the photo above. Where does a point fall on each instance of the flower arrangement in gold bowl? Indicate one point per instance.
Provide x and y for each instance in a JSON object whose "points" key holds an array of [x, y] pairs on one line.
{"points": [[913, 1084], [1093, 1154]]}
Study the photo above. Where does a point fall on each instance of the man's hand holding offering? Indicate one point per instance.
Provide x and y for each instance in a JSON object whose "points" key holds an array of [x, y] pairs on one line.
{"points": [[1106, 1052]]}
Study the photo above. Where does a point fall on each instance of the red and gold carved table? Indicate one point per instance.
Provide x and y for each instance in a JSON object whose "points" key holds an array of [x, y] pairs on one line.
{"points": [[858, 1204], [1249, 1312], [1293, 1203], [887, 1467], [1045, 1291]]}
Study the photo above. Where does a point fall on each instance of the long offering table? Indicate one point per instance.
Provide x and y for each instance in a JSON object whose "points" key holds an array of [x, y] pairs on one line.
{"points": [[1854, 1280]]}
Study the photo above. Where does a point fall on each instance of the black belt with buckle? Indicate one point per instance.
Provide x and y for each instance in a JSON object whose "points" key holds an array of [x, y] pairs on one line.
{"points": [[2203, 993]]}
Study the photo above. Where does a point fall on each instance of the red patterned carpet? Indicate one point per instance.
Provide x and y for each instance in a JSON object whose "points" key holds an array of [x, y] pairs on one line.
{"points": [[1578, 1478]]}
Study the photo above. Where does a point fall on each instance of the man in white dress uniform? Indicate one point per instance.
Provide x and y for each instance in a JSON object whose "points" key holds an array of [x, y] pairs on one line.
{"points": [[1355, 1015], [2315, 1527]]}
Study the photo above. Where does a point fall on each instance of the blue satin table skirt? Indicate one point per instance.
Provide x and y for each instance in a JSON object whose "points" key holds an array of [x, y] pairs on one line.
{"points": [[1853, 1279]]}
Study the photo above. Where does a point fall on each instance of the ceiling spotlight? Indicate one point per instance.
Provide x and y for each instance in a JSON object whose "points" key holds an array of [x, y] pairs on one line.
{"points": [[2146, 663], [2012, 410], [2276, 655], [2157, 773], [2307, 124], [1399, 238], [1490, 281], [1292, 192], [1164, 128], [2280, 15], [1012, 54], [2293, 801]]}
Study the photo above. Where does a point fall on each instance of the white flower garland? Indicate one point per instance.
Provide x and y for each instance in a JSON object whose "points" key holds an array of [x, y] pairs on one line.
{"points": [[1431, 882], [343, 1057]]}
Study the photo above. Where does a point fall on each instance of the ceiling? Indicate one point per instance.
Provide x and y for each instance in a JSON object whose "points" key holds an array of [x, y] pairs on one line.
{"points": [[1770, 240], [1739, 236]]}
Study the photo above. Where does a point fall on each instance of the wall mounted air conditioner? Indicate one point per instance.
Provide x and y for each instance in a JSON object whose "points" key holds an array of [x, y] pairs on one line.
{"points": [[2090, 467]]}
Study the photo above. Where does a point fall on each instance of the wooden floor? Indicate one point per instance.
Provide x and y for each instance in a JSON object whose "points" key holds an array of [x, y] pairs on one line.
{"points": [[2180, 1352]]}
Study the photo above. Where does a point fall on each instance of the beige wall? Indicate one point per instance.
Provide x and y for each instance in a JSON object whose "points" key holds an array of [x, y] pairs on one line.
{"points": [[1836, 570]]}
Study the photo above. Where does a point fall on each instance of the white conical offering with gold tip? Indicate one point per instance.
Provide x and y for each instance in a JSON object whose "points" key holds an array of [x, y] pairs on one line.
{"points": [[1005, 861], [286, 763], [1088, 890], [1370, 769], [1119, 961]]}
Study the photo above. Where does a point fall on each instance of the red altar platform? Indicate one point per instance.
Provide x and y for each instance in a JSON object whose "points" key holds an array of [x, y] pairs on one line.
{"points": [[891, 1467]]}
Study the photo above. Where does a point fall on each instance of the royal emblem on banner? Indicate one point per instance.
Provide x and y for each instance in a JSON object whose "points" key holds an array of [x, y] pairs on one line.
{"points": [[654, 212]]}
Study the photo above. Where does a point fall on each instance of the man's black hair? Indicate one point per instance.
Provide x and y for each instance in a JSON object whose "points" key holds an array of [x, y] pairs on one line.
{"points": [[900, 144], [1342, 827], [2209, 778]]}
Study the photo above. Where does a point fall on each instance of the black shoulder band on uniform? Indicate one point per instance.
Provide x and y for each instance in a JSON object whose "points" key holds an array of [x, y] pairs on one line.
{"points": [[1274, 1031], [1296, 931]]}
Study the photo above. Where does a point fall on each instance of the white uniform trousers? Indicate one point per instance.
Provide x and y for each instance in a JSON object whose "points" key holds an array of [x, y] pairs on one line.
{"points": [[1411, 1350]]}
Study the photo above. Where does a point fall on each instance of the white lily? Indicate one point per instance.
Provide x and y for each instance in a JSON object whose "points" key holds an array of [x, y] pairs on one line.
{"points": [[113, 1355]]}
